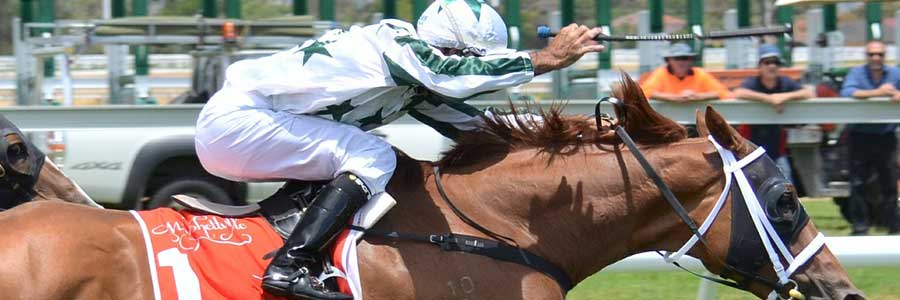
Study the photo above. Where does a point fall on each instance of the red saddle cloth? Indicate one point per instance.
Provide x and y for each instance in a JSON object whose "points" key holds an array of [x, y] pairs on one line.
{"points": [[199, 256]]}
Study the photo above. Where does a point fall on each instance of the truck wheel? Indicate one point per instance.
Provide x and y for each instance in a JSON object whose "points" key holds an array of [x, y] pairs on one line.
{"points": [[197, 188]]}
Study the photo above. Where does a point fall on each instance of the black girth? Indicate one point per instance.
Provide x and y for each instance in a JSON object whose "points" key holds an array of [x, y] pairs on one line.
{"points": [[282, 210], [497, 249]]}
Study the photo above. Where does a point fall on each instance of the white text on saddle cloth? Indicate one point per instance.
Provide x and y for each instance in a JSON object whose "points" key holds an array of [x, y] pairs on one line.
{"points": [[211, 228]]}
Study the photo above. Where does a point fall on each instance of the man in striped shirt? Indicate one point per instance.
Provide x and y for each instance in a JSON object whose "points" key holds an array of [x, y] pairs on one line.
{"points": [[302, 113]]}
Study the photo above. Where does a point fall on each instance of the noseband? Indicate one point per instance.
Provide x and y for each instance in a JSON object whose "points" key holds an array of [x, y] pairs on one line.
{"points": [[774, 239]]}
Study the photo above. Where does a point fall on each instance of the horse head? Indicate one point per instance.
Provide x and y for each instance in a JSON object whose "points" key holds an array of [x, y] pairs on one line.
{"points": [[756, 233], [573, 193], [779, 254], [27, 175]]}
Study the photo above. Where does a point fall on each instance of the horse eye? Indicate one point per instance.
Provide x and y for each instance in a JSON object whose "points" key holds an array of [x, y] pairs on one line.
{"points": [[787, 206], [17, 157]]}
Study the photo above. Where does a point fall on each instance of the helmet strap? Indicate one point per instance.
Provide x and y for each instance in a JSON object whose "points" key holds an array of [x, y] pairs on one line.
{"points": [[474, 51], [453, 23]]}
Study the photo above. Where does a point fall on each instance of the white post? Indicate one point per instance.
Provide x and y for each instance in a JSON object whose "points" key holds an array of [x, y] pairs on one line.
{"points": [[735, 49], [560, 77], [815, 59], [107, 9], [896, 40], [834, 51], [25, 65], [62, 60], [606, 77], [116, 64], [649, 52], [377, 17], [707, 289]]}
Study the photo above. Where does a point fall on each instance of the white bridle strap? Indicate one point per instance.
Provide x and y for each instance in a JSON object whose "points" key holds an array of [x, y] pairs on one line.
{"points": [[811, 249], [747, 160], [673, 257], [775, 248], [750, 199]]}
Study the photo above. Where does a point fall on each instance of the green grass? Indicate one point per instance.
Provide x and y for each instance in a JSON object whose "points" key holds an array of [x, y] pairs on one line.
{"points": [[827, 218], [877, 283]]}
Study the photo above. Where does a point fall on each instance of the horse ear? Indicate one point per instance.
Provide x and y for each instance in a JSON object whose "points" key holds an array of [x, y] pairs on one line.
{"points": [[725, 134], [701, 123], [645, 125]]}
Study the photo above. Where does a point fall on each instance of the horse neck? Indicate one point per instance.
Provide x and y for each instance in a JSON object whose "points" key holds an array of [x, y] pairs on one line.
{"points": [[587, 210], [52, 184]]}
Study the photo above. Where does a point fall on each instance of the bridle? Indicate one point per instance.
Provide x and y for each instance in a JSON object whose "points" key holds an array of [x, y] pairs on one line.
{"points": [[17, 182], [20, 165], [772, 239]]}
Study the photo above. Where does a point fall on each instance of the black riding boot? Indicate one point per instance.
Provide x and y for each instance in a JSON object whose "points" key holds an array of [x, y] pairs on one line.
{"points": [[288, 274]]}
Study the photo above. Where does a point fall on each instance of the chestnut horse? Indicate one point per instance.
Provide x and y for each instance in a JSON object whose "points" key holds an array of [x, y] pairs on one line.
{"points": [[561, 189]]}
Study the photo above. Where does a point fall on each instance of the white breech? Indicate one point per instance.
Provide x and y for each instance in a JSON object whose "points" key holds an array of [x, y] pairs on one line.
{"points": [[239, 137]]}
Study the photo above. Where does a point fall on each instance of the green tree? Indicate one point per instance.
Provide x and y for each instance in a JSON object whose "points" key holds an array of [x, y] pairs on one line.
{"points": [[261, 9], [79, 9], [187, 8]]}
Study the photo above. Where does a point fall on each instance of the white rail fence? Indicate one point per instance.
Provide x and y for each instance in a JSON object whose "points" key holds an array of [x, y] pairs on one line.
{"points": [[812, 111]]}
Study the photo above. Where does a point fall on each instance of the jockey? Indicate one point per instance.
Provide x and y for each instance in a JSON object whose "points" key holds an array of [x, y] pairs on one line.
{"points": [[303, 113]]}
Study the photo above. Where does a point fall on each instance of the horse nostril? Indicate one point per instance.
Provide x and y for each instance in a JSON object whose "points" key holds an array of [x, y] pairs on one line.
{"points": [[854, 297]]}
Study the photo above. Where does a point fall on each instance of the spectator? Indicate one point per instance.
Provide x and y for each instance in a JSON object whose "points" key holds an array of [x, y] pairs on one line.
{"points": [[774, 89], [872, 147], [680, 81]]}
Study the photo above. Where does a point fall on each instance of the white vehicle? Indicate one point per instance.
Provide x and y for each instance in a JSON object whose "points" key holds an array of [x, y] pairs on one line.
{"points": [[142, 168]]}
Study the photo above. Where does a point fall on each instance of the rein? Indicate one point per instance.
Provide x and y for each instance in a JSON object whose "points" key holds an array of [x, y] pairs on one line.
{"points": [[731, 166], [462, 216]]}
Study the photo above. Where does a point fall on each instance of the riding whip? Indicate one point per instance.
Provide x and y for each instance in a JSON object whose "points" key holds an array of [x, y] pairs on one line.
{"points": [[544, 32]]}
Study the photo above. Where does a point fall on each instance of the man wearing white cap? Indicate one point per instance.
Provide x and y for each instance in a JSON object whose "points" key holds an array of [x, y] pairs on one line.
{"points": [[302, 113]]}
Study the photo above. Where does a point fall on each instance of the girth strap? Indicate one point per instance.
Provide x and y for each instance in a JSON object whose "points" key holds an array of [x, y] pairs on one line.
{"points": [[501, 240], [497, 249], [484, 247]]}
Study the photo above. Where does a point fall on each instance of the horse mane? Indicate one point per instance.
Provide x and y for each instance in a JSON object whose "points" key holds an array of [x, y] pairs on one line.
{"points": [[562, 134]]}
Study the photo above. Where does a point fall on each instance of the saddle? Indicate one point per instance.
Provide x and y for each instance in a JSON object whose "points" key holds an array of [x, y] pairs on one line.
{"points": [[282, 209]]}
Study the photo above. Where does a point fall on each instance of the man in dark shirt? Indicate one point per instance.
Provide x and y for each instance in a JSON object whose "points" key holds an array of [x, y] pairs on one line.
{"points": [[772, 88], [873, 147]]}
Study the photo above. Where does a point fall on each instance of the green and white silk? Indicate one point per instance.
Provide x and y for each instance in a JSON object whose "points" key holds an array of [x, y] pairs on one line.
{"points": [[369, 76]]}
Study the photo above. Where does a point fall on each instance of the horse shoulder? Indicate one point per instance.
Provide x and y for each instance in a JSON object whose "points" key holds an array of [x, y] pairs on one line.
{"points": [[93, 249]]}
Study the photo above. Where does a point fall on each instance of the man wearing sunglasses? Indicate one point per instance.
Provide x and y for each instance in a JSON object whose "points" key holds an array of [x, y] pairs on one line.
{"points": [[872, 147], [680, 81], [769, 86], [772, 88]]}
